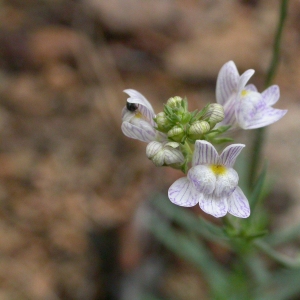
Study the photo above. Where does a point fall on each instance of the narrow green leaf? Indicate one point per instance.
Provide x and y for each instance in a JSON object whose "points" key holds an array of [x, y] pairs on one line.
{"points": [[189, 221], [192, 250]]}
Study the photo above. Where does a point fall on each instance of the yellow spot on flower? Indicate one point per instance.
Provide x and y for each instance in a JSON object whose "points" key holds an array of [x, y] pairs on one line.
{"points": [[138, 115], [244, 93], [218, 169]]}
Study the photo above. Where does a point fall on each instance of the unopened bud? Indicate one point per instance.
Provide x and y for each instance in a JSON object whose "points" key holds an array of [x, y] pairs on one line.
{"points": [[176, 134], [162, 122], [174, 102], [214, 114], [197, 129], [165, 154]]}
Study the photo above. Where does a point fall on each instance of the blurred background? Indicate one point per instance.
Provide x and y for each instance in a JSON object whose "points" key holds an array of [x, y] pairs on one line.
{"points": [[75, 194]]}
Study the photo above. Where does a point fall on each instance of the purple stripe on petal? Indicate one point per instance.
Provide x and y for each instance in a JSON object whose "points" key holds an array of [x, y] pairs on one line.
{"points": [[271, 95], [248, 108], [138, 98], [230, 154], [215, 206], [229, 111], [269, 116], [134, 132], [148, 114], [238, 204], [204, 153], [153, 148], [144, 106], [173, 156], [182, 193], [226, 82]]}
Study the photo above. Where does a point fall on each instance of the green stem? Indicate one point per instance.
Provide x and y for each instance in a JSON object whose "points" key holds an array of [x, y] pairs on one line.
{"points": [[281, 259], [260, 133], [284, 236], [188, 154]]}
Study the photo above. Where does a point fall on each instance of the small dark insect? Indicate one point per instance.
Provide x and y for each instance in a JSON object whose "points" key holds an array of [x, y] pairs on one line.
{"points": [[131, 106]]}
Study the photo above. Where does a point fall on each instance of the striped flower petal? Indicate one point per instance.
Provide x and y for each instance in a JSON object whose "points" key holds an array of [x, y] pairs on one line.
{"points": [[230, 153], [252, 110], [248, 106], [143, 132], [227, 82], [138, 98], [268, 116], [153, 148], [144, 106], [182, 193], [271, 95], [238, 204], [215, 206], [229, 112], [204, 153]]}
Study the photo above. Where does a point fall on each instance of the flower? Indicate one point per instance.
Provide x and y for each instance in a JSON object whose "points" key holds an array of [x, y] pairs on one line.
{"points": [[165, 154], [245, 107], [137, 117], [212, 182]]}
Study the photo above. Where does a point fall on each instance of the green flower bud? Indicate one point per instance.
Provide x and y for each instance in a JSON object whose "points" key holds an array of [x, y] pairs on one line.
{"points": [[176, 133], [214, 114], [162, 122], [186, 117], [197, 129], [174, 102]]}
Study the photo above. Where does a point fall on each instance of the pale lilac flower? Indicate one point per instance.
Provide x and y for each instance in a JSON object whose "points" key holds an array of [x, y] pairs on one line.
{"points": [[165, 154], [212, 182], [245, 107], [137, 117]]}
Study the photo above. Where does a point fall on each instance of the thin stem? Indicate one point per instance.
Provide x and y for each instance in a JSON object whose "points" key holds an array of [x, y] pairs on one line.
{"points": [[188, 154], [260, 133], [281, 259]]}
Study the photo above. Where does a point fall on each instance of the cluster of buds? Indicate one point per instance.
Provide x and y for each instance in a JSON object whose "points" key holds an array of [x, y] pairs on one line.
{"points": [[180, 125]]}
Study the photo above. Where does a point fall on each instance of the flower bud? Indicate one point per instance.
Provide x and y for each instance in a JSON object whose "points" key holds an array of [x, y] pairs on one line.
{"points": [[176, 133], [174, 102], [197, 129], [165, 154], [214, 114], [162, 122]]}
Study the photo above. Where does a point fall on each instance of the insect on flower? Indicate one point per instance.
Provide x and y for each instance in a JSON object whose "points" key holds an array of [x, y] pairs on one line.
{"points": [[131, 106], [137, 117]]}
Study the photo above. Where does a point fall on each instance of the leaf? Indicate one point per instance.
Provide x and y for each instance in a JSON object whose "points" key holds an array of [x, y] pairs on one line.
{"points": [[192, 250], [189, 221]]}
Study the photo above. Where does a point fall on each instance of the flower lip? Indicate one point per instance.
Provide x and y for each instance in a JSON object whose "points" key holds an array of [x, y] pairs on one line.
{"points": [[212, 182]]}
